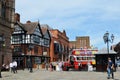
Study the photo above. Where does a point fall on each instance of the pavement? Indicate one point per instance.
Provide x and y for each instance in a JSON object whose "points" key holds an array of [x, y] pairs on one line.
{"points": [[42, 74]]}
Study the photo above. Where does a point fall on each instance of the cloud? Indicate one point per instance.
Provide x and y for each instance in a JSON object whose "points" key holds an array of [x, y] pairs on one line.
{"points": [[78, 17]]}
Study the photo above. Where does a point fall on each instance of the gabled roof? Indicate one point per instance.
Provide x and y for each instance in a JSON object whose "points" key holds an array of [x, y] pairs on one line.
{"points": [[46, 26], [30, 27], [21, 25], [45, 30]]}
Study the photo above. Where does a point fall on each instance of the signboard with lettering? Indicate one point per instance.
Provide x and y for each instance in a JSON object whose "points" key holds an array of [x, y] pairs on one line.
{"points": [[45, 53], [83, 52]]}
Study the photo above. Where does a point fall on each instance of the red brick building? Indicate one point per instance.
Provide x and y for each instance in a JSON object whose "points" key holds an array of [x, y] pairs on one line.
{"points": [[59, 47]]}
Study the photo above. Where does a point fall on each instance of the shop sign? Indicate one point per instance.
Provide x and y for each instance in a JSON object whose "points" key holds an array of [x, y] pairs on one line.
{"points": [[45, 53]]}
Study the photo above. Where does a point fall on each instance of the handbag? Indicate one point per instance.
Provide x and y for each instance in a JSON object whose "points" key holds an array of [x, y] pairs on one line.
{"points": [[113, 68]]}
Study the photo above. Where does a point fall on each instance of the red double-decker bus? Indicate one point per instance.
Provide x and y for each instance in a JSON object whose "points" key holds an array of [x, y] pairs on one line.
{"points": [[80, 58]]}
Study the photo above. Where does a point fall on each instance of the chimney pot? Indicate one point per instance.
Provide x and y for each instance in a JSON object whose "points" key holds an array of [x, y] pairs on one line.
{"points": [[17, 17]]}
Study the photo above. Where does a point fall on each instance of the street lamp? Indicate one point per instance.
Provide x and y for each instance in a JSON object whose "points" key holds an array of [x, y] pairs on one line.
{"points": [[2, 40], [107, 39], [30, 63]]}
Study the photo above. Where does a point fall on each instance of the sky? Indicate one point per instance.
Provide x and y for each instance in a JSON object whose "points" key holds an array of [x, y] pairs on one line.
{"points": [[77, 17]]}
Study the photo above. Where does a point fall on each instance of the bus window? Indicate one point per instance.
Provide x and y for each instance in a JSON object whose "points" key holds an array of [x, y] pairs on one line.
{"points": [[79, 58], [89, 58], [71, 60], [84, 58]]}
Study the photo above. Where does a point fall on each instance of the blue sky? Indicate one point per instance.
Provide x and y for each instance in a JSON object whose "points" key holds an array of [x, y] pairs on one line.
{"points": [[77, 17]]}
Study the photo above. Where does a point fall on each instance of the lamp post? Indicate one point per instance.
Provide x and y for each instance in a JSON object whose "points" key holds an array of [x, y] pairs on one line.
{"points": [[2, 40], [107, 39], [30, 63]]}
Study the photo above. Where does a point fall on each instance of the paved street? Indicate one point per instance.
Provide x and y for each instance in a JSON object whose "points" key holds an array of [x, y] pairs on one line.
{"points": [[39, 74]]}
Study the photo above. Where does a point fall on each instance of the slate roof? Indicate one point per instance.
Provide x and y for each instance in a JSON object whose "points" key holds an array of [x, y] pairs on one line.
{"points": [[21, 25], [45, 28], [28, 27]]}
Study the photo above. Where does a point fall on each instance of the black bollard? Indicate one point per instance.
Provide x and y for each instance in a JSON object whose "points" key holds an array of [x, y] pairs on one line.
{"points": [[31, 70], [0, 73]]}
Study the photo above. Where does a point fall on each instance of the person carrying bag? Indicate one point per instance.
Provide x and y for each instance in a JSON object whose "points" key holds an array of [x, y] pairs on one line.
{"points": [[110, 68]]}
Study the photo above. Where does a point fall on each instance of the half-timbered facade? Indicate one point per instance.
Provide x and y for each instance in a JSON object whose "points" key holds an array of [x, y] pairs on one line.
{"points": [[46, 44], [28, 40]]}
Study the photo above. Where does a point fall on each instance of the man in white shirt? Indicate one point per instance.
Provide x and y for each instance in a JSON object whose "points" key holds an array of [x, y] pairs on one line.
{"points": [[14, 66]]}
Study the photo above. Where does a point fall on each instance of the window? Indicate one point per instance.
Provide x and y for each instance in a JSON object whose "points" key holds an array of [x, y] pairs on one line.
{"points": [[84, 58], [89, 58], [18, 30], [16, 39], [79, 58], [3, 9], [72, 58], [56, 47], [27, 40], [41, 41], [17, 49], [36, 39], [37, 31], [46, 42]]}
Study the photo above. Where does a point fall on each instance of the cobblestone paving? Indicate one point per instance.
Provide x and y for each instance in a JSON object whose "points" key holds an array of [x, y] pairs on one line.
{"points": [[39, 74]]}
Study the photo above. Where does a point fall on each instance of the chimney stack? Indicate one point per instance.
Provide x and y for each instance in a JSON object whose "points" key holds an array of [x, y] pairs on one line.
{"points": [[28, 21], [17, 17]]}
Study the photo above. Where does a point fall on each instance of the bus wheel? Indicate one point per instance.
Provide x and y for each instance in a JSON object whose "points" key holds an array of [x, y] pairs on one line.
{"points": [[67, 68], [64, 68], [79, 68]]}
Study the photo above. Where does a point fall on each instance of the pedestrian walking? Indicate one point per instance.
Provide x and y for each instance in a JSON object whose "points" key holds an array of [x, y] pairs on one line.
{"points": [[11, 67], [60, 64], [110, 68], [46, 66], [14, 66], [57, 67], [51, 67], [28, 63]]}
